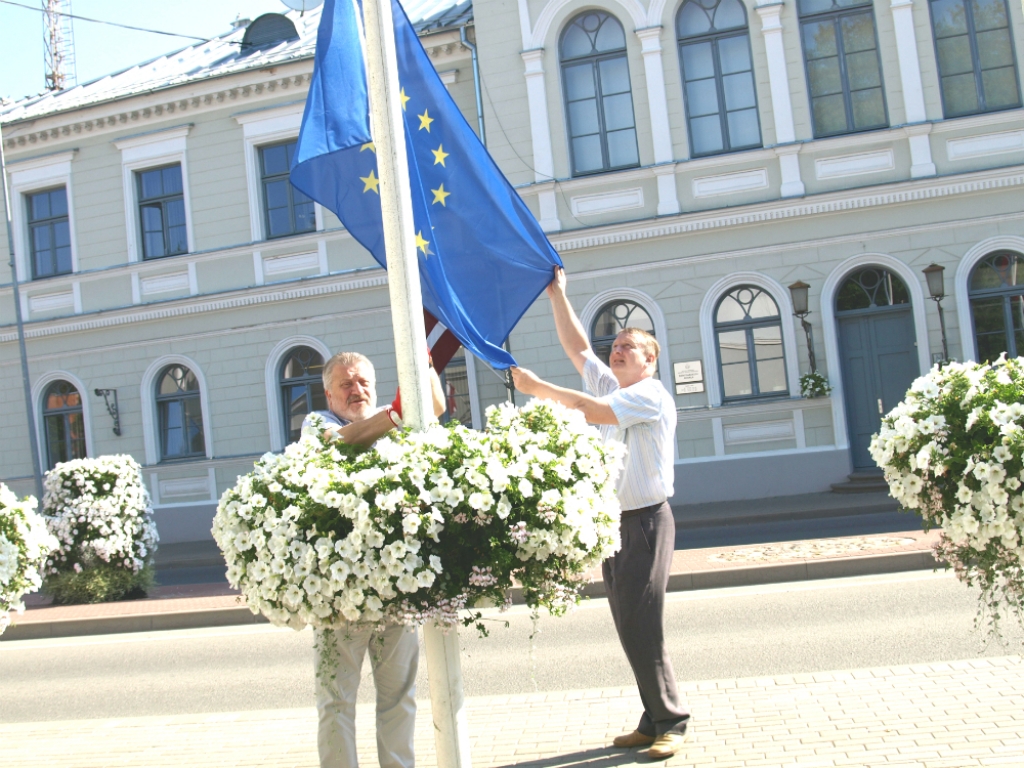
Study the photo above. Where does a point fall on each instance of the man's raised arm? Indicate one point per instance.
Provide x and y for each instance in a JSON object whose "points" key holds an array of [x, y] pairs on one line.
{"points": [[570, 331]]}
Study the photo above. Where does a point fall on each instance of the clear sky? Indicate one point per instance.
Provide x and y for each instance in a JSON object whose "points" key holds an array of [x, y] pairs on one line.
{"points": [[100, 49]]}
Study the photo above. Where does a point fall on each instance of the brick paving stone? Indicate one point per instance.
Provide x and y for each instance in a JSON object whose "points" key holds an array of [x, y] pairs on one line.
{"points": [[787, 721]]}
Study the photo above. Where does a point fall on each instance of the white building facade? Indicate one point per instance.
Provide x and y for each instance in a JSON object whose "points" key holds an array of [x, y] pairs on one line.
{"points": [[689, 161]]}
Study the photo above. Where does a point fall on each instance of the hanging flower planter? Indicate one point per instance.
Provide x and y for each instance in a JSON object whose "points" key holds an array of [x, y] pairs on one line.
{"points": [[425, 523], [24, 545], [953, 451]]}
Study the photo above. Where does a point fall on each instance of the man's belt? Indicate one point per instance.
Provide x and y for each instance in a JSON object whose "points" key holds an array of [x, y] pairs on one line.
{"points": [[626, 513]]}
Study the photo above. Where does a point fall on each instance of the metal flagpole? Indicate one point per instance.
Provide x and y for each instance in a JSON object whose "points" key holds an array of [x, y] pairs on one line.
{"points": [[25, 381], [442, 649]]}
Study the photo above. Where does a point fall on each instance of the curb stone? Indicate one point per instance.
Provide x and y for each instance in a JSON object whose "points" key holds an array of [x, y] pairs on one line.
{"points": [[222, 613]]}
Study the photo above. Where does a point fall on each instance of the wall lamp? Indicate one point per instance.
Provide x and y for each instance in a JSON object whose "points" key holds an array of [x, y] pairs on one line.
{"points": [[937, 291], [798, 292]]}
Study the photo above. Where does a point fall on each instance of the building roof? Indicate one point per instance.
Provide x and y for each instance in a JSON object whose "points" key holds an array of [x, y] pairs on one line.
{"points": [[223, 55]]}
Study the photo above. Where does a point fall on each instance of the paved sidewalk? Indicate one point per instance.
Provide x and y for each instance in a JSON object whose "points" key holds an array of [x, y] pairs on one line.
{"points": [[954, 715], [212, 605]]}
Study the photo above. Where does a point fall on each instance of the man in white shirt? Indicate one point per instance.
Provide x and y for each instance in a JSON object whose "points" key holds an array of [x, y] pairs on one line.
{"points": [[353, 416], [629, 405]]}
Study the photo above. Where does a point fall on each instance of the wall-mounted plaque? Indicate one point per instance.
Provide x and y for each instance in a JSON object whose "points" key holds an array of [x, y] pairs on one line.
{"points": [[689, 389], [688, 372]]}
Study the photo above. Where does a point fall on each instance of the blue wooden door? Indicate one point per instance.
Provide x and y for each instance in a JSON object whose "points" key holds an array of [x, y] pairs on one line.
{"points": [[879, 361]]}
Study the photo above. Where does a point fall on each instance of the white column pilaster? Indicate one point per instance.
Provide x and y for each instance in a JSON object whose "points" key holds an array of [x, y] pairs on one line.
{"points": [[540, 134], [661, 130], [910, 65], [913, 91], [921, 164], [789, 167], [782, 106]]}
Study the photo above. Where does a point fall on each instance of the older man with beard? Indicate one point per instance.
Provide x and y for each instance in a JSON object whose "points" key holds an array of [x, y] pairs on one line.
{"points": [[353, 417], [629, 405]]}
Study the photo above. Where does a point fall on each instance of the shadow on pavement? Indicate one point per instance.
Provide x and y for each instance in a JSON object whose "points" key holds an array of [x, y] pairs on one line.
{"points": [[604, 757]]}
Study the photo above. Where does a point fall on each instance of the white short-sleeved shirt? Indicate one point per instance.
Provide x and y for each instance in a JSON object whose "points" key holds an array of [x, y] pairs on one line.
{"points": [[647, 426], [328, 416]]}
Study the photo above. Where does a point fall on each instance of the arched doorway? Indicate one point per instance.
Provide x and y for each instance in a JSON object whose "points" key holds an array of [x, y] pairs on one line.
{"points": [[878, 353]]}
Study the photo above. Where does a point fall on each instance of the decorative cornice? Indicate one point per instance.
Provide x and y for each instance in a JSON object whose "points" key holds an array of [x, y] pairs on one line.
{"points": [[894, 194], [121, 116], [178, 308]]}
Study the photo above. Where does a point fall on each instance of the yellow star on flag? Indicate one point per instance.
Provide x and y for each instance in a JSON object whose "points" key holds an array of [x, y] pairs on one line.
{"points": [[440, 195], [403, 97], [423, 245], [425, 120], [440, 154], [370, 182], [368, 146]]}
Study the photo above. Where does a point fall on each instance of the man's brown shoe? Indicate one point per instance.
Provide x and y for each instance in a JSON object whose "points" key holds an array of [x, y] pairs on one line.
{"points": [[668, 744], [634, 739]]}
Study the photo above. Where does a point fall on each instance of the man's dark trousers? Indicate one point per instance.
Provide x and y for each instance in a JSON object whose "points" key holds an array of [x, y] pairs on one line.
{"points": [[636, 579]]}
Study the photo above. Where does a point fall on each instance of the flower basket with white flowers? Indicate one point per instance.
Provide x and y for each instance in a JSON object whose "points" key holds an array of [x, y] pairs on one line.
{"points": [[953, 451], [813, 385], [24, 545], [425, 523], [100, 512]]}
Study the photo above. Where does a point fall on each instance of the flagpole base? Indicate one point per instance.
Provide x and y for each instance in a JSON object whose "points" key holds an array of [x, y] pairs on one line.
{"points": [[444, 668]]}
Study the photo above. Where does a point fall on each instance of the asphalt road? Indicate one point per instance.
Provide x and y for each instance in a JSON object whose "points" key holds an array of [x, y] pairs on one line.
{"points": [[706, 536], [752, 631]]}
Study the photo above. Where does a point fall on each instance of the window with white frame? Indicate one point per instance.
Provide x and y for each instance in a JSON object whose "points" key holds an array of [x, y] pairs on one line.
{"points": [[287, 211], [49, 232], [748, 334], [844, 73], [996, 289], [179, 414], [42, 204], [63, 423], [718, 76], [161, 200], [974, 49], [598, 96], [155, 176], [302, 389]]}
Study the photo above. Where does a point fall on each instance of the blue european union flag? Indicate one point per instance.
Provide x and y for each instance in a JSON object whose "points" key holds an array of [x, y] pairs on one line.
{"points": [[482, 255]]}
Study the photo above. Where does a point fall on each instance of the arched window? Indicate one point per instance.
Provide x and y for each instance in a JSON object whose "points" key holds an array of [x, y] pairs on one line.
{"points": [[611, 320], [974, 49], [179, 414], [844, 75], [598, 99], [750, 353], [302, 388], [718, 76], [997, 304], [63, 423], [871, 287]]}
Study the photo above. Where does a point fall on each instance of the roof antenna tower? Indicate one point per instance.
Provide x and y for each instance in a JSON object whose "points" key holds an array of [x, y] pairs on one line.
{"points": [[58, 45]]}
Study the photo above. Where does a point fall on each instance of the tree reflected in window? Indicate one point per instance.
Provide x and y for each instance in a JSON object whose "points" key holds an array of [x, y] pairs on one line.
{"points": [[63, 423]]}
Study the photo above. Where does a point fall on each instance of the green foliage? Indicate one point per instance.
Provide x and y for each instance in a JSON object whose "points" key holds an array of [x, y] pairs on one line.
{"points": [[99, 583], [814, 385]]}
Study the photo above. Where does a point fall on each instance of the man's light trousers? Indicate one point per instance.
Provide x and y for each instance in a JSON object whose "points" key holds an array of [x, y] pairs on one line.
{"points": [[394, 655]]}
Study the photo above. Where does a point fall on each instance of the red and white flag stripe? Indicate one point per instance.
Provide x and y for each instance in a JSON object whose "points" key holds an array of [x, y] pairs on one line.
{"points": [[442, 342]]}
